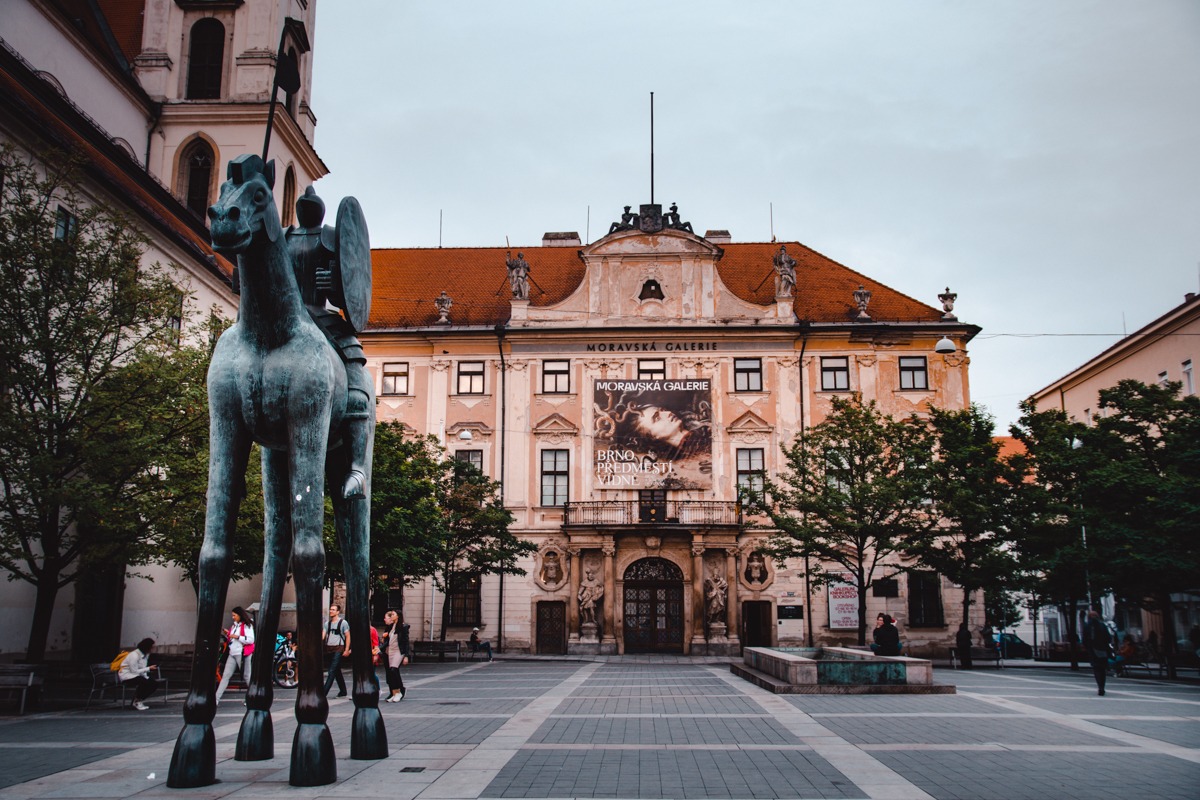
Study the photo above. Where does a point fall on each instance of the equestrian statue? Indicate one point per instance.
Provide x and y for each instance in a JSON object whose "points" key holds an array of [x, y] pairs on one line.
{"points": [[290, 376]]}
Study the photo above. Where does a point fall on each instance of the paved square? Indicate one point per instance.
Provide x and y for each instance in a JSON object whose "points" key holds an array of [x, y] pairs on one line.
{"points": [[663, 728]]}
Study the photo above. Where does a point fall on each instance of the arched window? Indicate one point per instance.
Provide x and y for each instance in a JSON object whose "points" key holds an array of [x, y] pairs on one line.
{"points": [[292, 97], [205, 57], [289, 197], [197, 168]]}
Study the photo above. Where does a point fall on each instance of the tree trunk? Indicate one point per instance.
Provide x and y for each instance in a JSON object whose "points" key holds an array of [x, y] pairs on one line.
{"points": [[862, 612], [1169, 634], [966, 604], [1072, 625], [43, 609]]}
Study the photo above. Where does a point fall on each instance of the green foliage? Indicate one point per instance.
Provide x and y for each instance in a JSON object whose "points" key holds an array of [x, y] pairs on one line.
{"points": [[74, 310], [851, 494], [1132, 481], [973, 491]]}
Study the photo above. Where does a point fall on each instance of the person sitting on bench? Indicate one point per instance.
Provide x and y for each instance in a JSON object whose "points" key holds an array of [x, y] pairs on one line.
{"points": [[480, 645]]}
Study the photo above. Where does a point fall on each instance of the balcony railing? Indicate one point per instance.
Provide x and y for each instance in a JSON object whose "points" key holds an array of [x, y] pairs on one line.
{"points": [[667, 512]]}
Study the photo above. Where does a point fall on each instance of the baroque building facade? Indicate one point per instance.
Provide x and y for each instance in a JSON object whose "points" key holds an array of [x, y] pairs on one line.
{"points": [[155, 96], [624, 394]]}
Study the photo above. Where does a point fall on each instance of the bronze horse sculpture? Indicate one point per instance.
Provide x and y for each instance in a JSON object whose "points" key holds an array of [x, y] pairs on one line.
{"points": [[275, 379]]}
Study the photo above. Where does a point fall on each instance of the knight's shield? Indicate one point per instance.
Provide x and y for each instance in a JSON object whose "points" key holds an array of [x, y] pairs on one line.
{"points": [[352, 270]]}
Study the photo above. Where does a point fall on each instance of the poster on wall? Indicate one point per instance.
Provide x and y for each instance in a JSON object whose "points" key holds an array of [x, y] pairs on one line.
{"points": [[653, 434], [843, 606]]}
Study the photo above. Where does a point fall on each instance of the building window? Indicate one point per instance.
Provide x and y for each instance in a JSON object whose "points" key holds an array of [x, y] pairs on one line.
{"points": [[747, 374], [65, 225], [470, 377], [289, 197], [1189, 386], [290, 98], [835, 374], [1162, 379], [395, 378], [913, 374], [885, 587], [197, 164], [925, 600], [749, 470], [837, 471], [472, 457], [652, 369], [554, 477], [464, 598], [556, 377], [205, 56]]}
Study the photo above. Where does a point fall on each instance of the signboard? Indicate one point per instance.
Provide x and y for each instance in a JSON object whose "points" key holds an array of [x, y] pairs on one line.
{"points": [[653, 434], [843, 606]]}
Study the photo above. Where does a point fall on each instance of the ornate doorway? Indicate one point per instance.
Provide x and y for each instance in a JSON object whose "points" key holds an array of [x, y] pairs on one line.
{"points": [[653, 607]]}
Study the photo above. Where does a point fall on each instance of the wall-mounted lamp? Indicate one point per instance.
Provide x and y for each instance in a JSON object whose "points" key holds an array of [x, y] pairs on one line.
{"points": [[945, 346], [466, 436]]}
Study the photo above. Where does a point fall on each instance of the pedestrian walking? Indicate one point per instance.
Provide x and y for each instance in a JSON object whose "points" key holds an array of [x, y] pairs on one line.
{"points": [[241, 647], [1097, 643], [394, 645], [336, 634]]}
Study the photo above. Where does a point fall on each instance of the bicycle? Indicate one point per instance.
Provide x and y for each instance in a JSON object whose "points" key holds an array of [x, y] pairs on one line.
{"points": [[285, 669]]}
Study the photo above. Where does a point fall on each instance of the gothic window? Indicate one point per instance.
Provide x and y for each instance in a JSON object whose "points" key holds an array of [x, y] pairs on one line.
{"points": [[205, 56], [197, 164], [289, 197]]}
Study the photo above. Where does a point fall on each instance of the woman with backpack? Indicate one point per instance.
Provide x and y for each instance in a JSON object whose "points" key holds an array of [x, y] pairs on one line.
{"points": [[241, 647], [134, 671]]}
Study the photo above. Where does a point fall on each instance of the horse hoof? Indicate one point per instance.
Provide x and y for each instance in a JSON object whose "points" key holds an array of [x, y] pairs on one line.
{"points": [[354, 487], [256, 738], [194, 762], [368, 737], [313, 761]]}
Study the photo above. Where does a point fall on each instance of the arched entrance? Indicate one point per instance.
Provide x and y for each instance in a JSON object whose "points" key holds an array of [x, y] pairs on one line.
{"points": [[653, 607]]}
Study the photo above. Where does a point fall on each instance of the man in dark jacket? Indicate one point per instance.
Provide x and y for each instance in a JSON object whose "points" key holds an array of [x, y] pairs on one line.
{"points": [[1097, 643]]}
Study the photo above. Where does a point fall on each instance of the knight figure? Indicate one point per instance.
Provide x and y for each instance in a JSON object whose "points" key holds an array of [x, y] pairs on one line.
{"points": [[333, 267]]}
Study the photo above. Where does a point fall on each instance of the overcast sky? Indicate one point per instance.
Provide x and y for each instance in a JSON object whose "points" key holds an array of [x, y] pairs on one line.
{"points": [[1040, 158]]}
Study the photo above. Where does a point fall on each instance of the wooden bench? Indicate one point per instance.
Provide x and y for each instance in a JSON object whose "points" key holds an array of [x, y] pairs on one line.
{"points": [[435, 648], [978, 654], [19, 680]]}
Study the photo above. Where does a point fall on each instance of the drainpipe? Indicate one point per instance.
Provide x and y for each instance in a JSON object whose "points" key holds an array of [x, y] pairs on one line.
{"points": [[503, 430], [807, 586]]}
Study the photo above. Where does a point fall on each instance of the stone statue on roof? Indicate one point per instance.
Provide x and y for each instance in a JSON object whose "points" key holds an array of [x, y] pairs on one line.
{"points": [[518, 275], [862, 297], [443, 303], [785, 273], [672, 220], [628, 222]]}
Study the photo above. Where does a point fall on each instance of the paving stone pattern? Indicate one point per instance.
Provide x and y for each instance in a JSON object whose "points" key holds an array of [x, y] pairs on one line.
{"points": [[662, 728]]}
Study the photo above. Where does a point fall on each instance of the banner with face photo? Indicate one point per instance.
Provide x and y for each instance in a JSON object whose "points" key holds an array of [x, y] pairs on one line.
{"points": [[653, 434]]}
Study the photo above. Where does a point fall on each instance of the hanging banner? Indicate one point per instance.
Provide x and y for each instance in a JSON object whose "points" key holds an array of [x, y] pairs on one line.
{"points": [[843, 606], [653, 434]]}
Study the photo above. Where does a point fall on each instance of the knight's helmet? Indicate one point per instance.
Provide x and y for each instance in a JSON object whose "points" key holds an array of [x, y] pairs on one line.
{"points": [[310, 209]]}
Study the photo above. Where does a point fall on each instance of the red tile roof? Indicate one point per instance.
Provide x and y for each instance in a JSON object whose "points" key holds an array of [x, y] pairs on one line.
{"points": [[407, 280]]}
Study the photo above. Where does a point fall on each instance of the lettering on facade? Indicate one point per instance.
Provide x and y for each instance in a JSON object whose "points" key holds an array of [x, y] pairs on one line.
{"points": [[649, 347]]}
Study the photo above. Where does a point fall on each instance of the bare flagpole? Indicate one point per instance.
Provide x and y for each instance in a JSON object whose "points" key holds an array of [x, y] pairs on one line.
{"points": [[652, 148]]}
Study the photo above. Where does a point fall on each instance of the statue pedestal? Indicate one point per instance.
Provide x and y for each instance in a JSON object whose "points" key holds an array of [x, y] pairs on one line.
{"points": [[717, 630], [589, 641]]}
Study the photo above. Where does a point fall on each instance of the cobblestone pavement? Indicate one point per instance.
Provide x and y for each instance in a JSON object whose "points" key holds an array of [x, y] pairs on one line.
{"points": [[663, 728]]}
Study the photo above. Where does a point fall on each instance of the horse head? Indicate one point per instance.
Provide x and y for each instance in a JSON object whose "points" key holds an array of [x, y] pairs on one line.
{"points": [[246, 206]]}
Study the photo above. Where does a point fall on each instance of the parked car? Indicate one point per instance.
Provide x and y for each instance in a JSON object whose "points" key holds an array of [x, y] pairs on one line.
{"points": [[1012, 646]]}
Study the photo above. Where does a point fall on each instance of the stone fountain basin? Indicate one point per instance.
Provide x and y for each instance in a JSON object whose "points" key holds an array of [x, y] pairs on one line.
{"points": [[836, 670]]}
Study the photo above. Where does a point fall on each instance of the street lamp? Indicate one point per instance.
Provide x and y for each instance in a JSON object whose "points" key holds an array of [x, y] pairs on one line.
{"points": [[945, 346], [1076, 444]]}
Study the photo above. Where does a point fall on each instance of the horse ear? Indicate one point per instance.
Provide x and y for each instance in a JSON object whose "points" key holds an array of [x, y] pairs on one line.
{"points": [[269, 173], [271, 223]]}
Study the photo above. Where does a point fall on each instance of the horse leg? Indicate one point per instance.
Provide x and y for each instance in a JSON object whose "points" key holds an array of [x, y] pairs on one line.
{"points": [[368, 736], [313, 759], [256, 738], [194, 761]]}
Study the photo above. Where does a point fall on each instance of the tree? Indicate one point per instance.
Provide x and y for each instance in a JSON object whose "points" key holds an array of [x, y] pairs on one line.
{"points": [[472, 536], [76, 305], [405, 514], [972, 489], [851, 494]]}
